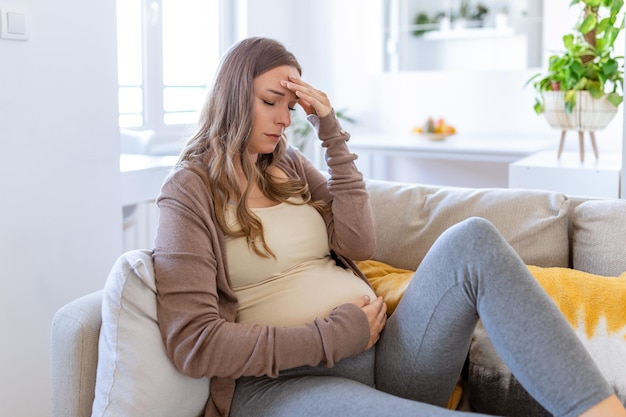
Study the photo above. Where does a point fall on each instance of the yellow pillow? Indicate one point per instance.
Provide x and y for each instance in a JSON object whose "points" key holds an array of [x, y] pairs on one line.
{"points": [[387, 281]]}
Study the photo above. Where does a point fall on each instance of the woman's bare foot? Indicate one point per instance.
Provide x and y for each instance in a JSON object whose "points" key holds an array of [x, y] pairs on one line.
{"points": [[611, 407]]}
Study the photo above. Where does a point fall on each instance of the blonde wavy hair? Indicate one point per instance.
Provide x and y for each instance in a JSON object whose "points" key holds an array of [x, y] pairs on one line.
{"points": [[223, 134]]}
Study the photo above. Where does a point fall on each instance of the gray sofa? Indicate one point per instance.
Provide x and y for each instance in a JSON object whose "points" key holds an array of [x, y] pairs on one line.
{"points": [[547, 229]]}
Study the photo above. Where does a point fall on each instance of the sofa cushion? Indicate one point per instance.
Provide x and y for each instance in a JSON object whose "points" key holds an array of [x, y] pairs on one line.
{"points": [[410, 217], [134, 376], [598, 237], [593, 305]]}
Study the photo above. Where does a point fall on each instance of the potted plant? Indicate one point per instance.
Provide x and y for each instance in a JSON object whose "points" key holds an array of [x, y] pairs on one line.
{"points": [[583, 86]]}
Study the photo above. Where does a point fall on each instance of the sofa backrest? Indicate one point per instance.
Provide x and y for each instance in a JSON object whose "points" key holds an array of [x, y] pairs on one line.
{"points": [[410, 217]]}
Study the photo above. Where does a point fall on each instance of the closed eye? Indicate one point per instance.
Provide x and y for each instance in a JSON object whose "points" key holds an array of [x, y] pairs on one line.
{"points": [[269, 103]]}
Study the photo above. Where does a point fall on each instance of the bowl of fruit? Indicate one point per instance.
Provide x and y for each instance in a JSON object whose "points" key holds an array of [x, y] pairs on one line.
{"points": [[435, 129]]}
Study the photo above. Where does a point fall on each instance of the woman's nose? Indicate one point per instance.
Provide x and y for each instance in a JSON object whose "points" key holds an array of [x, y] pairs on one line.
{"points": [[284, 118]]}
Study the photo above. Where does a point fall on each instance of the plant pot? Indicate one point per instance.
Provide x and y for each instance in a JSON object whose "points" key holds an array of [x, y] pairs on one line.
{"points": [[589, 114]]}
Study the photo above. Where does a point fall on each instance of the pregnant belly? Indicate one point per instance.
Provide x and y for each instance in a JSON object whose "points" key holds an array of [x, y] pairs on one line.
{"points": [[310, 291]]}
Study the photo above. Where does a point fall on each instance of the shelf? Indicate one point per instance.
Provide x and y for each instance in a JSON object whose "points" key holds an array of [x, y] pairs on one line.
{"points": [[469, 33]]}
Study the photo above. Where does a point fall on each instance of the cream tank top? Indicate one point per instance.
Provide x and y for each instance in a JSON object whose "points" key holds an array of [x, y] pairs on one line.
{"points": [[302, 283]]}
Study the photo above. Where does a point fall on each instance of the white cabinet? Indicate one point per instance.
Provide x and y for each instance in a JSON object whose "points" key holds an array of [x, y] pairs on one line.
{"points": [[594, 178]]}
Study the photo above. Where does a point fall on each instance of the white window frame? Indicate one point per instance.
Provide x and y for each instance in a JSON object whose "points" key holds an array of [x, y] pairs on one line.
{"points": [[232, 13]]}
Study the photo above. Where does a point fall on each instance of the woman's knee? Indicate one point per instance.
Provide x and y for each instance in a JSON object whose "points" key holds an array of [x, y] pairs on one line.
{"points": [[476, 225], [473, 229], [472, 239]]}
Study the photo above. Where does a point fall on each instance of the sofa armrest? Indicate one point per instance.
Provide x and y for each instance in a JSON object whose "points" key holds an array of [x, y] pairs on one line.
{"points": [[74, 336]]}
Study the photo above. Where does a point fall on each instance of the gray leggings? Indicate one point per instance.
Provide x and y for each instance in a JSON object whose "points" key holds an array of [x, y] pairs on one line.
{"points": [[470, 272]]}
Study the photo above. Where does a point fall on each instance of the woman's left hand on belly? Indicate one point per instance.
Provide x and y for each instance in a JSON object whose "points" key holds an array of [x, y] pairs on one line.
{"points": [[376, 312]]}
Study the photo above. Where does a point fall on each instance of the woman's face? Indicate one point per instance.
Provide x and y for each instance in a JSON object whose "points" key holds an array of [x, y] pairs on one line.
{"points": [[271, 111]]}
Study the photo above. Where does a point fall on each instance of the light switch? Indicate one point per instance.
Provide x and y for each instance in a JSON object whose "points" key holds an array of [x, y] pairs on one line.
{"points": [[16, 23], [13, 24]]}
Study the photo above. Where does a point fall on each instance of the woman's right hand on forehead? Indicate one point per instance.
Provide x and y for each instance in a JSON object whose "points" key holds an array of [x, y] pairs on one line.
{"points": [[313, 101]]}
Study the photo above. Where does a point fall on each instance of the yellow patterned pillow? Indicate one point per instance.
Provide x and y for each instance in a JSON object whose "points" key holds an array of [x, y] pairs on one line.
{"points": [[595, 306]]}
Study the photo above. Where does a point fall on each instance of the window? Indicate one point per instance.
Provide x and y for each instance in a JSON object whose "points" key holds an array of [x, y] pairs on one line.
{"points": [[168, 51]]}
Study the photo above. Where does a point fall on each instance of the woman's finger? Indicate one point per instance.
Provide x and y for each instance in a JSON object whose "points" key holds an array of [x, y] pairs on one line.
{"points": [[313, 101], [362, 301]]}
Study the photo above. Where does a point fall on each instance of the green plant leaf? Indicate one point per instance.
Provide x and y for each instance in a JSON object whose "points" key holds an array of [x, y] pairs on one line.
{"points": [[568, 41], [595, 92], [592, 3], [570, 101], [588, 24], [615, 99], [603, 24], [577, 68], [610, 34], [610, 67]]}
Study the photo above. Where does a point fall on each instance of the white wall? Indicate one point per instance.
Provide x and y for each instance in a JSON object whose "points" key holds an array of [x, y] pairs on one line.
{"points": [[301, 27], [60, 219]]}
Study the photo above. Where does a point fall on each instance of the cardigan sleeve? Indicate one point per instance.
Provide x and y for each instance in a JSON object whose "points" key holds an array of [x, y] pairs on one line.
{"points": [[350, 221], [196, 307]]}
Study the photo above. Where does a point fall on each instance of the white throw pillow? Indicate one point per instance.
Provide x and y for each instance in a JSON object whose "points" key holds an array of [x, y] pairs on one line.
{"points": [[135, 377]]}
